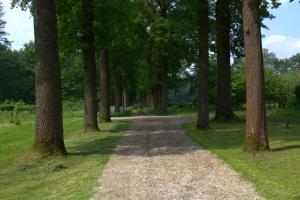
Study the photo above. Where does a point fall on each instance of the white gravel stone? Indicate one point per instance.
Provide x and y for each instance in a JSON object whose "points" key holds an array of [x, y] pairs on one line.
{"points": [[156, 160]]}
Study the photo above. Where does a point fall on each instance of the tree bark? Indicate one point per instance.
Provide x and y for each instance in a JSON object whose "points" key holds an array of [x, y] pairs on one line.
{"points": [[126, 98], [163, 66], [104, 87], [203, 67], [224, 111], [89, 62], [156, 93], [117, 92], [49, 123], [256, 138], [163, 108]]}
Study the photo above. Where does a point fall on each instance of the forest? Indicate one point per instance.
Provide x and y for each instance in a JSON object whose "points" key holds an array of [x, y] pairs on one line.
{"points": [[102, 75]]}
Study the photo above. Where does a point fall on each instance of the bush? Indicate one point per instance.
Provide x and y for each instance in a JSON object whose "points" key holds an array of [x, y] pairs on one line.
{"points": [[14, 109], [122, 113], [7, 106], [20, 106]]}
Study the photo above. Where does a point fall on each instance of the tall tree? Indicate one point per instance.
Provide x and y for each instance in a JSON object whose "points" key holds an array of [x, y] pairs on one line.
{"points": [[104, 87], [203, 66], [224, 99], [117, 90], [163, 62], [89, 62], [256, 138], [49, 124], [3, 39]]}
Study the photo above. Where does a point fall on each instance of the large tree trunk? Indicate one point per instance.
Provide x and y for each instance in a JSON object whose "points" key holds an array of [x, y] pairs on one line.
{"points": [[224, 110], [163, 66], [89, 62], [163, 108], [104, 88], [49, 123], [203, 68], [256, 138]]}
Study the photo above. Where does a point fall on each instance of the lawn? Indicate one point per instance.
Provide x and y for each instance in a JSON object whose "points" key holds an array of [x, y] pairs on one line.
{"points": [[24, 175], [276, 174]]}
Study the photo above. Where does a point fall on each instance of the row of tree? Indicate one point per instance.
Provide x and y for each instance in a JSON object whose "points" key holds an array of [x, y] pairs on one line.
{"points": [[146, 46], [17, 81]]}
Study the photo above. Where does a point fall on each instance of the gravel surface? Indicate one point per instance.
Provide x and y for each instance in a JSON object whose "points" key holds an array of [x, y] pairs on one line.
{"points": [[156, 160]]}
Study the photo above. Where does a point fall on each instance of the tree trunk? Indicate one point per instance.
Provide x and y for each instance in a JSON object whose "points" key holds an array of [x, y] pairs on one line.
{"points": [[203, 112], [157, 98], [163, 66], [117, 92], [117, 97], [89, 62], [224, 110], [104, 88], [127, 98], [163, 108], [256, 138], [49, 123]]}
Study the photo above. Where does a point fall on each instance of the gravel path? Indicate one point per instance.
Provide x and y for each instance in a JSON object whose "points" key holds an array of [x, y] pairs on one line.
{"points": [[156, 160]]}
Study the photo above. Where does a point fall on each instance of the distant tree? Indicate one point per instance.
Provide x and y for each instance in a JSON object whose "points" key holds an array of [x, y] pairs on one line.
{"points": [[117, 89], [49, 124], [256, 138], [89, 62], [104, 87], [3, 39], [17, 75], [203, 67], [72, 76], [292, 63], [224, 110]]}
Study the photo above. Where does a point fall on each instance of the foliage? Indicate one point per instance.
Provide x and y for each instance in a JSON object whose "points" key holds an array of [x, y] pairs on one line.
{"points": [[135, 32], [3, 40], [16, 76], [280, 80], [19, 106]]}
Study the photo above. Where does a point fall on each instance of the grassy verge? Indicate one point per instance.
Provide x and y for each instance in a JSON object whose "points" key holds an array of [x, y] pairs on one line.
{"points": [[23, 175], [275, 174]]}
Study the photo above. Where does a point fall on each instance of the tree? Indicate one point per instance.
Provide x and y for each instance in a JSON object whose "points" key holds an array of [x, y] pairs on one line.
{"points": [[104, 87], [17, 74], [159, 39], [49, 125], [3, 40], [89, 62], [276, 85], [203, 68], [224, 109], [163, 60], [256, 138]]}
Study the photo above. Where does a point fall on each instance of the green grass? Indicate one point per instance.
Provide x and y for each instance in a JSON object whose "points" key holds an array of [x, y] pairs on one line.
{"points": [[172, 111], [24, 175], [276, 174]]}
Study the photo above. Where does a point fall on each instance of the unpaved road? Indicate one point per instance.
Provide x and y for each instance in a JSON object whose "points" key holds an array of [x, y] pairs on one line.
{"points": [[156, 160]]}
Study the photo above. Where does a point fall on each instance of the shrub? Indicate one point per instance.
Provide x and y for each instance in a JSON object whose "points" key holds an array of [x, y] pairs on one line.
{"points": [[7, 106]]}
